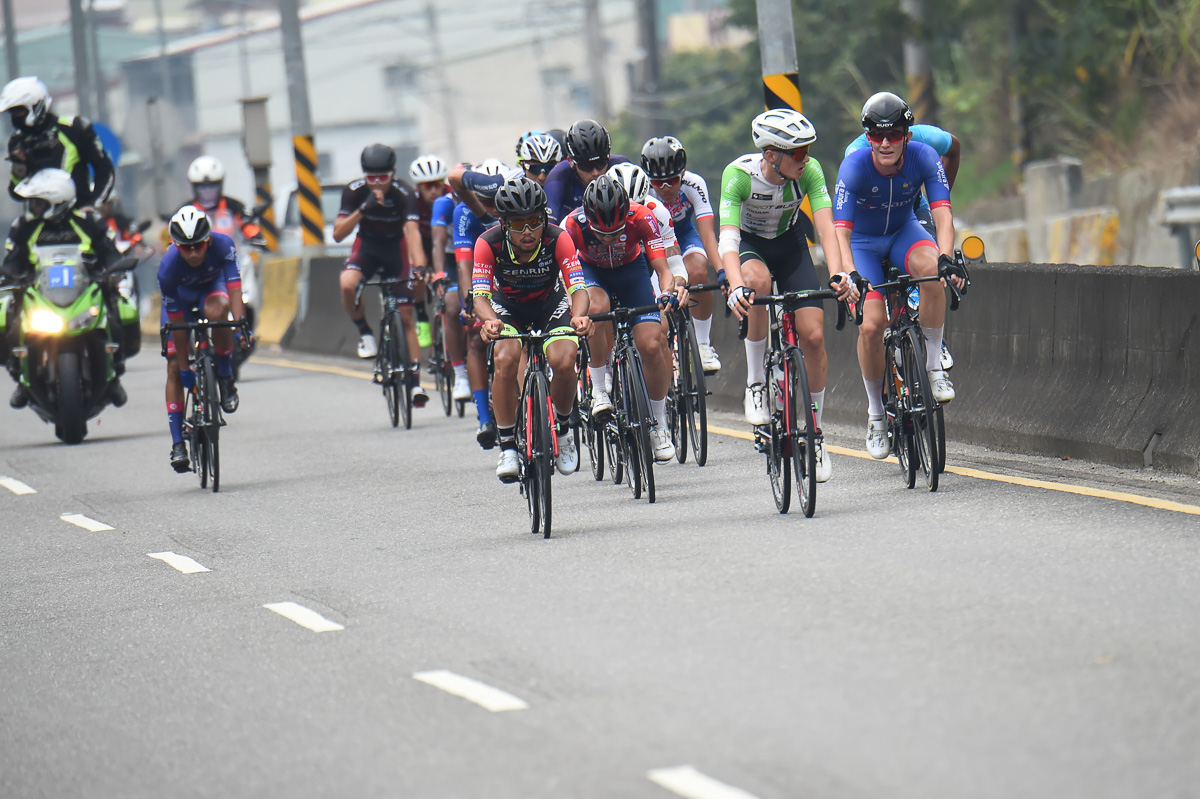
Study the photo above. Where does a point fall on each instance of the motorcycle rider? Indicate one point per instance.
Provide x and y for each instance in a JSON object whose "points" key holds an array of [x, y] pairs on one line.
{"points": [[50, 218], [228, 216], [41, 140]]}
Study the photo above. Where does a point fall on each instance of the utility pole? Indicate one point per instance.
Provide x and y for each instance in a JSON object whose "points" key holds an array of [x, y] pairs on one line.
{"points": [[593, 36], [79, 50], [164, 66], [312, 219], [439, 71], [97, 71], [918, 69], [1017, 73], [10, 42], [648, 100]]}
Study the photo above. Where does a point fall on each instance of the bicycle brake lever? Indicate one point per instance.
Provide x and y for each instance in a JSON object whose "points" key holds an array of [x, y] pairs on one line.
{"points": [[743, 327], [841, 322]]}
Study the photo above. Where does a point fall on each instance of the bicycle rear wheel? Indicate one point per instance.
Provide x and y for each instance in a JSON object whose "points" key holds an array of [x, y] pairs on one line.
{"points": [[614, 433], [940, 416], [697, 404], [537, 452], [919, 400], [899, 422], [443, 373], [385, 367], [773, 442], [677, 396], [640, 421], [803, 434]]}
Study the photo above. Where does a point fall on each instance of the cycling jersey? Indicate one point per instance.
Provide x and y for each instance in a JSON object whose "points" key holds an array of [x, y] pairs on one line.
{"points": [[935, 137], [67, 143], [564, 189], [691, 203], [488, 185], [497, 270], [641, 230], [754, 204], [468, 228], [874, 205], [183, 286], [666, 226], [442, 215], [387, 219]]}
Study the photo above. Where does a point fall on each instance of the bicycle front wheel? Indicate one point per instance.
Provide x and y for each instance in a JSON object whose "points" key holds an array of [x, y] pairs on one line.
{"points": [[677, 396], [802, 435], [899, 418], [443, 372], [697, 404], [640, 421], [775, 445], [919, 402], [402, 378], [537, 452]]}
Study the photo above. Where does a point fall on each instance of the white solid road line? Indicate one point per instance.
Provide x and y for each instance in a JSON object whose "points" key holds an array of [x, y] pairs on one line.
{"points": [[304, 617], [484, 695], [79, 520], [687, 782], [179, 562], [16, 486]]}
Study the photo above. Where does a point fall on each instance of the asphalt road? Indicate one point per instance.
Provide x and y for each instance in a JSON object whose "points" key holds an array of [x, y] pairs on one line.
{"points": [[994, 639]]}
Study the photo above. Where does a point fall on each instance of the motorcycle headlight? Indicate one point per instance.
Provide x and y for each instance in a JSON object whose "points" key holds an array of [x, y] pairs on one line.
{"points": [[44, 321], [85, 319]]}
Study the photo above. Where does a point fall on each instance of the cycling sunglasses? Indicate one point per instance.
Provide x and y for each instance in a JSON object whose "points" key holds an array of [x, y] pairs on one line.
{"points": [[434, 183], [664, 182], [608, 234], [197, 247], [798, 154], [894, 135], [520, 224], [379, 180], [537, 167], [594, 165]]}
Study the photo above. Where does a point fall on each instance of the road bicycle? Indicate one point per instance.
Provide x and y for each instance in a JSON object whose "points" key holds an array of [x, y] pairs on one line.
{"points": [[392, 360], [439, 362], [916, 424], [627, 444], [687, 405], [789, 439], [203, 418]]}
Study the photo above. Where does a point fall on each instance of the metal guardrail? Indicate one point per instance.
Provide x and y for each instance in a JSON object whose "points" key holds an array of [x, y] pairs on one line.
{"points": [[1181, 212]]}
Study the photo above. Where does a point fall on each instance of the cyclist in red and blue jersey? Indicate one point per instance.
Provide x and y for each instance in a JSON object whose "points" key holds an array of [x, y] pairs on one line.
{"points": [[619, 243], [686, 196], [527, 277], [199, 270], [874, 218], [589, 155]]}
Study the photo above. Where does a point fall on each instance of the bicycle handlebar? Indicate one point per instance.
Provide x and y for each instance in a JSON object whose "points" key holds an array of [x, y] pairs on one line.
{"points": [[377, 281], [166, 330], [623, 314], [798, 296]]}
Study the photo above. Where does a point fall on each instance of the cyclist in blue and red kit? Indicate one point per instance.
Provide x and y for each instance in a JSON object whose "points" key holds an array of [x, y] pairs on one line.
{"points": [[199, 270], [873, 212], [589, 155]]}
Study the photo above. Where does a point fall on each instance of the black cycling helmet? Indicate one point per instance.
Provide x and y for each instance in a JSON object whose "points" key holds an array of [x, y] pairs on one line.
{"points": [[587, 140], [886, 110], [520, 196], [560, 136], [663, 157], [605, 204], [378, 159]]}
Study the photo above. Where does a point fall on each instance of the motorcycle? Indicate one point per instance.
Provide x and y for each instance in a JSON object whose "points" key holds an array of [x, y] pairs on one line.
{"points": [[250, 254], [65, 349]]}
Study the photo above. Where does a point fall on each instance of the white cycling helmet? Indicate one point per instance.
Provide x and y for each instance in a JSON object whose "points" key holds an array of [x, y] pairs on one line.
{"points": [[206, 169], [53, 187], [633, 179], [782, 129], [28, 93], [428, 168], [493, 166], [190, 225], [540, 149]]}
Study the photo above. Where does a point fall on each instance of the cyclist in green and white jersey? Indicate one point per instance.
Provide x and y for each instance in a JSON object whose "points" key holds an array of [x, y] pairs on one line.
{"points": [[761, 240]]}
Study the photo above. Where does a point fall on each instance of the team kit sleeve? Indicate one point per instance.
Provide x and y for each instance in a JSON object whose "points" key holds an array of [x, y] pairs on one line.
{"points": [[567, 258], [647, 227], [845, 196], [229, 263], [350, 202], [484, 272], [812, 181], [443, 212], [557, 192], [735, 190], [168, 284], [464, 242], [940, 140], [696, 189], [933, 175]]}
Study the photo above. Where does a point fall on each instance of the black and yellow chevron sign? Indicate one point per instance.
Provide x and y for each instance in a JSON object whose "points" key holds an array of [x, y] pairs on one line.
{"points": [[270, 232], [782, 91], [312, 220]]}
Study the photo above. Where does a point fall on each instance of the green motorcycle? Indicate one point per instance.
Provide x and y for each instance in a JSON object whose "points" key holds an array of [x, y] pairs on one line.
{"points": [[65, 348]]}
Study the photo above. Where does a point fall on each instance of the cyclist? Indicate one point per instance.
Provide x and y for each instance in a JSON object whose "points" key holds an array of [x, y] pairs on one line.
{"points": [[619, 244], [228, 216], [527, 277], [637, 185], [389, 239], [51, 219], [686, 196], [198, 270], [428, 175], [762, 241], [870, 228], [446, 283], [589, 154], [41, 140], [537, 155]]}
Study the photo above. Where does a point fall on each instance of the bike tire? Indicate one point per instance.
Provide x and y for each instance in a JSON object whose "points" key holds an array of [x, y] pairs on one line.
{"points": [[443, 373], [71, 418], [779, 465], [543, 451], [404, 377], [803, 433], [940, 415], [384, 367], [919, 400], [211, 416], [899, 424], [697, 405], [614, 432], [641, 421], [677, 396], [527, 474]]}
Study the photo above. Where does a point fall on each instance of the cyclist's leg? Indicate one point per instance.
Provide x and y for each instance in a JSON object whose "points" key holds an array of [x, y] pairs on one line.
{"points": [[915, 248], [554, 315], [631, 286], [506, 355], [600, 342], [755, 275], [792, 268], [358, 267], [696, 261]]}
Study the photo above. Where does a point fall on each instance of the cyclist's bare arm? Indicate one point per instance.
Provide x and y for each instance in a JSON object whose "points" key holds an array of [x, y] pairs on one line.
{"points": [[344, 225], [707, 228], [416, 252]]}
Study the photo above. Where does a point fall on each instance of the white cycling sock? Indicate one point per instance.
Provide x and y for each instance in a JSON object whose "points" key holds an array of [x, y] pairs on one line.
{"points": [[659, 409], [703, 330], [874, 398], [598, 374], [818, 398], [460, 371], [755, 371], [933, 347]]}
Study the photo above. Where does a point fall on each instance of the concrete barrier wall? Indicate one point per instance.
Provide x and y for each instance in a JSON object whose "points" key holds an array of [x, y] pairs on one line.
{"points": [[322, 325], [1063, 360]]}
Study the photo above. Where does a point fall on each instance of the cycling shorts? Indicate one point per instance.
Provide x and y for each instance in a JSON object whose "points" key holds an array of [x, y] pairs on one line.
{"points": [[787, 259], [551, 315], [629, 285], [388, 256], [869, 251], [194, 297], [689, 239]]}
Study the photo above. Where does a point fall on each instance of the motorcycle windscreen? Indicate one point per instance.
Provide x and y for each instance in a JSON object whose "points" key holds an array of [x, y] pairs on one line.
{"points": [[62, 277]]}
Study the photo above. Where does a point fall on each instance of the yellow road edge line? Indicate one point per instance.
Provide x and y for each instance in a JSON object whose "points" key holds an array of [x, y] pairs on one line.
{"points": [[332, 370], [1066, 488]]}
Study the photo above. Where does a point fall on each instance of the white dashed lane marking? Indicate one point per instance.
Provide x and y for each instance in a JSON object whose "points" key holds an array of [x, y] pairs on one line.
{"points": [[179, 562], [686, 781], [79, 520], [484, 695], [304, 617], [16, 486]]}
